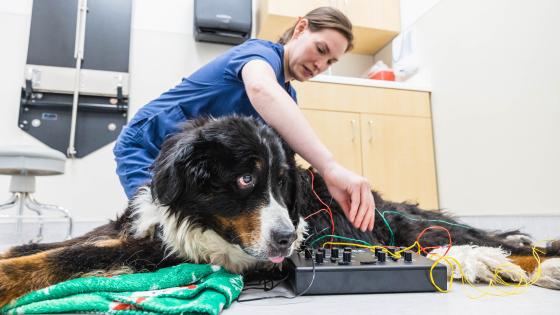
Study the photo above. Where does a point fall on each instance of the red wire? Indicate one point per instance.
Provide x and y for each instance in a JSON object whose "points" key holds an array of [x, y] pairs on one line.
{"points": [[424, 249], [329, 211], [314, 213]]}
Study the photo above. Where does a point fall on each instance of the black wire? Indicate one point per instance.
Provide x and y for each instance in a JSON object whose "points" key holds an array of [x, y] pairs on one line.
{"points": [[284, 296], [317, 233], [265, 282]]}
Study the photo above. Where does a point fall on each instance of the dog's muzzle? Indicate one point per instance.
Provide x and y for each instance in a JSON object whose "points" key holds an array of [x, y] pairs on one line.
{"points": [[280, 245]]}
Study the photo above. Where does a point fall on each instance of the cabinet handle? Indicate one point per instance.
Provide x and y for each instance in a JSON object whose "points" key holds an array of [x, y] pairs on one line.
{"points": [[353, 123], [370, 127]]}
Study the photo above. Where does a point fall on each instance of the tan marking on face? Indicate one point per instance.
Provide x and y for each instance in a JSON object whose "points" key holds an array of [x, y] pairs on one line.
{"points": [[246, 226], [259, 165], [21, 275]]}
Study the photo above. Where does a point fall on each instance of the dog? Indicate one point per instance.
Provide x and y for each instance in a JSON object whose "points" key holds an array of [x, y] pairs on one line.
{"points": [[227, 191]]}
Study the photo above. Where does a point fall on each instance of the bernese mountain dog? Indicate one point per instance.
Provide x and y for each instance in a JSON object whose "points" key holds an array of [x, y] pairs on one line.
{"points": [[228, 192]]}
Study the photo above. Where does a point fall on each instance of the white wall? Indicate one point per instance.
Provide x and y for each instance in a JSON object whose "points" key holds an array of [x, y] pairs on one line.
{"points": [[162, 52], [412, 10], [493, 67], [495, 76]]}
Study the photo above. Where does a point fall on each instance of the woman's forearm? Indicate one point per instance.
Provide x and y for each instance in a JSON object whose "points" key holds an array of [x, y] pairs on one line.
{"points": [[278, 109]]}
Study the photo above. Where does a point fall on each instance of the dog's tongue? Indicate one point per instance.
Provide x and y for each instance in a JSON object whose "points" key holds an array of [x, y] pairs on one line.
{"points": [[277, 259]]}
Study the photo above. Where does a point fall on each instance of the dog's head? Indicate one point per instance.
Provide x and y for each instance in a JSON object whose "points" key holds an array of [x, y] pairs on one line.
{"points": [[233, 176]]}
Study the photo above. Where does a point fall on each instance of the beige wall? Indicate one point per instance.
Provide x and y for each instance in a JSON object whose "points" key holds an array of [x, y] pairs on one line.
{"points": [[162, 52], [494, 70]]}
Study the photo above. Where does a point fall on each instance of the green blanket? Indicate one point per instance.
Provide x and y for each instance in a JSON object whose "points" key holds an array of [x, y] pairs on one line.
{"points": [[186, 288]]}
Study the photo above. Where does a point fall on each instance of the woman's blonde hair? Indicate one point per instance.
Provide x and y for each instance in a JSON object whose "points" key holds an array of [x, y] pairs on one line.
{"points": [[324, 18]]}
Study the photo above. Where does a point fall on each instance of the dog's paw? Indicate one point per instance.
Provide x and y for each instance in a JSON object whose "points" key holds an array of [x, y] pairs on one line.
{"points": [[550, 274], [481, 263]]}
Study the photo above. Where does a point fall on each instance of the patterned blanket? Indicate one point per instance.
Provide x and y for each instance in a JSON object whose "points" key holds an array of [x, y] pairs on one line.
{"points": [[185, 288]]}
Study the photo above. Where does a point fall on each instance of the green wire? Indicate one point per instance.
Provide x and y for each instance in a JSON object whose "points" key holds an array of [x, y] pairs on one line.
{"points": [[341, 237], [415, 219], [392, 240]]}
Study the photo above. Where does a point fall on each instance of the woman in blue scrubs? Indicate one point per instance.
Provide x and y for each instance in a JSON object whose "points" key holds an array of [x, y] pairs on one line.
{"points": [[253, 79]]}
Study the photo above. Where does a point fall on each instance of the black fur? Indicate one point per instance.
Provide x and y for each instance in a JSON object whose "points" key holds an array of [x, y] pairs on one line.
{"points": [[405, 230], [196, 178]]}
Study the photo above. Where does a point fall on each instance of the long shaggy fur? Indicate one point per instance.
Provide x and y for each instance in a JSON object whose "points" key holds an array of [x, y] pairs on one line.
{"points": [[228, 192]]}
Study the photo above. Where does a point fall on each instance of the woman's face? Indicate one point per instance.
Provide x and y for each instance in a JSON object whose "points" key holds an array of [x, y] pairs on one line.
{"points": [[309, 53]]}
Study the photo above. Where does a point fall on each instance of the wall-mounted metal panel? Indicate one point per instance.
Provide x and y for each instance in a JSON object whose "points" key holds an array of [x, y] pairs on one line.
{"points": [[107, 35], [51, 84], [53, 30], [47, 117]]}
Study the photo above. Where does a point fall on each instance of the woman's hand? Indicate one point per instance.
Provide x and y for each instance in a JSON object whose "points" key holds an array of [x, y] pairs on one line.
{"points": [[353, 194], [276, 107]]}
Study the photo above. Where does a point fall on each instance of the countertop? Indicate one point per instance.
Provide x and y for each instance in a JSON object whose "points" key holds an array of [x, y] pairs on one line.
{"points": [[372, 83]]}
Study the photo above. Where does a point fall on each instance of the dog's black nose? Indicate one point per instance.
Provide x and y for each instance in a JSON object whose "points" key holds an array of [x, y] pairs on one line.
{"points": [[282, 239]]}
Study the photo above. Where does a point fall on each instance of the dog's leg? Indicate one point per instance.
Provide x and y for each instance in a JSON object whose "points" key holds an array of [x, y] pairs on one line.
{"points": [[105, 257], [107, 231], [480, 263], [549, 275], [28, 249], [23, 274]]}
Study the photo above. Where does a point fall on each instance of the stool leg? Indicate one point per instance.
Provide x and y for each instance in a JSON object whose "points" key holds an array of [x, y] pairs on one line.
{"points": [[10, 203], [21, 207], [48, 207], [31, 206]]}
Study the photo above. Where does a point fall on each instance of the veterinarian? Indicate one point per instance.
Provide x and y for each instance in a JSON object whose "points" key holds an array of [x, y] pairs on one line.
{"points": [[253, 79]]}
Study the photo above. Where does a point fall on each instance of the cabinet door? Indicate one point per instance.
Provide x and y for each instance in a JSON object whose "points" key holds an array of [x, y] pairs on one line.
{"points": [[340, 133], [398, 158], [276, 16], [376, 14], [376, 22], [293, 8]]}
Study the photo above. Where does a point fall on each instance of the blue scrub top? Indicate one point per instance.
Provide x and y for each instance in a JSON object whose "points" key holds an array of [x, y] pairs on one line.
{"points": [[215, 90]]}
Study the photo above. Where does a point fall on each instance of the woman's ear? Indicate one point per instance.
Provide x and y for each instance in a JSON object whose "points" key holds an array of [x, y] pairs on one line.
{"points": [[300, 27]]}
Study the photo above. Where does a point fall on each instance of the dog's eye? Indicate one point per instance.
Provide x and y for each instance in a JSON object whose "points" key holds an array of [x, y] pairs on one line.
{"points": [[245, 181], [282, 181]]}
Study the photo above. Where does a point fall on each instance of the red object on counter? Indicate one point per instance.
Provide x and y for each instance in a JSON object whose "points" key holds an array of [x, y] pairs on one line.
{"points": [[387, 75]]}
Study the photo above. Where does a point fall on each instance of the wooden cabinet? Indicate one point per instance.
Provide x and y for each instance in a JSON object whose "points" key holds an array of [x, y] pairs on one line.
{"points": [[375, 22], [383, 134], [340, 132], [398, 157]]}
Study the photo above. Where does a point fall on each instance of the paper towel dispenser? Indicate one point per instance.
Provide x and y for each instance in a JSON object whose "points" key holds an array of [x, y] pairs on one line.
{"points": [[219, 21]]}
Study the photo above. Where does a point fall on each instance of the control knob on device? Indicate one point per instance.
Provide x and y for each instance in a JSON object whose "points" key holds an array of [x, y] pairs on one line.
{"points": [[334, 252], [319, 257], [408, 256]]}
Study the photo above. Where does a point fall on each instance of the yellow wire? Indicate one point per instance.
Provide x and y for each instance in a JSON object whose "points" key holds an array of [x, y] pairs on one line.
{"points": [[518, 287], [396, 254]]}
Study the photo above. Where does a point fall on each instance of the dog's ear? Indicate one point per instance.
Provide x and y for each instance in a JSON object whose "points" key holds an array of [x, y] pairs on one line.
{"points": [[180, 170], [290, 153]]}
